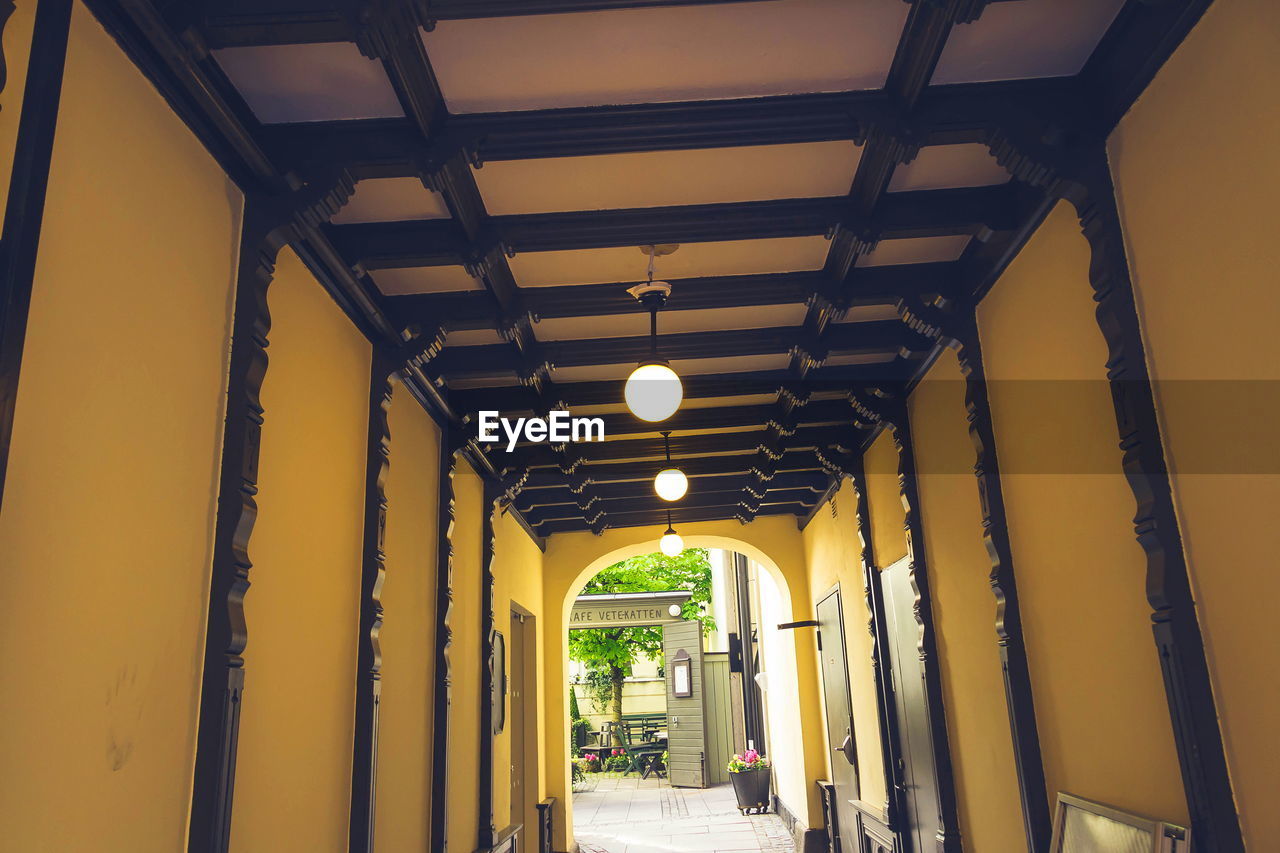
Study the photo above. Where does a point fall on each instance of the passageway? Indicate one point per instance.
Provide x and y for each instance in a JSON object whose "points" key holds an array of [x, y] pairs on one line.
{"points": [[649, 816]]}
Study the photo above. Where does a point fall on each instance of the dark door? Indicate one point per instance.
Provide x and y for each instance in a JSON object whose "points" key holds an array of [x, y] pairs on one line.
{"points": [[686, 729], [516, 717], [919, 775], [840, 740]]}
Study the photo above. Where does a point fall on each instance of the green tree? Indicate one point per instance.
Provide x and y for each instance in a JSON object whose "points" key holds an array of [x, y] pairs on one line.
{"points": [[609, 653]]}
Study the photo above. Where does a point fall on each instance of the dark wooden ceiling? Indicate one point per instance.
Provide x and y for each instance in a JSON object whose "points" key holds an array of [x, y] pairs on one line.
{"points": [[767, 355]]}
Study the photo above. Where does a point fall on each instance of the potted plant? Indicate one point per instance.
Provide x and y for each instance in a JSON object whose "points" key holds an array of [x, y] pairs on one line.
{"points": [[750, 774]]}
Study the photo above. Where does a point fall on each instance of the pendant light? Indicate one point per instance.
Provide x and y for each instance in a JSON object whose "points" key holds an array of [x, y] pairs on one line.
{"points": [[671, 544], [671, 483], [653, 391]]}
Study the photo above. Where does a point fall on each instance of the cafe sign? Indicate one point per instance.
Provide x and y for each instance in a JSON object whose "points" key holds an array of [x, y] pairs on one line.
{"points": [[627, 609]]}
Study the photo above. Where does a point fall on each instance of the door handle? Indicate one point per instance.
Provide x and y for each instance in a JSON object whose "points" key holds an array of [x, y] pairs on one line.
{"points": [[848, 750]]}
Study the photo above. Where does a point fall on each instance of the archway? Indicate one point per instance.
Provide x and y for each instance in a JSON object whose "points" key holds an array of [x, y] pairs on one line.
{"points": [[775, 545]]}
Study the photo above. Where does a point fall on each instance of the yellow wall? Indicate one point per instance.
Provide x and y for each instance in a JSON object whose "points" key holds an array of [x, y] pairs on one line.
{"points": [[293, 776], [1197, 180], [1100, 704], [408, 631], [464, 714], [572, 558], [109, 502], [16, 51], [884, 500], [517, 572], [833, 554], [964, 614]]}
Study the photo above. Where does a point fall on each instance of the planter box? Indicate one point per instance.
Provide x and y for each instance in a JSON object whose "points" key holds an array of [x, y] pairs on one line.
{"points": [[752, 790]]}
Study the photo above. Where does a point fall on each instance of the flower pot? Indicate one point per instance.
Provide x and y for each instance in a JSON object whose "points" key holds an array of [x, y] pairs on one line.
{"points": [[751, 787]]}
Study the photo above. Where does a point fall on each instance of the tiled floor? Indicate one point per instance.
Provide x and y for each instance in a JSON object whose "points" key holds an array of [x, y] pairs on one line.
{"points": [[649, 816]]}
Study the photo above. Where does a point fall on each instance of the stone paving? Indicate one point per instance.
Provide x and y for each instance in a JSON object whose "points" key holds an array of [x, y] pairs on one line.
{"points": [[649, 816]]}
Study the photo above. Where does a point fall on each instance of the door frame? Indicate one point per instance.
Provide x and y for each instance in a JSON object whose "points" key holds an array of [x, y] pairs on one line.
{"points": [[528, 721], [857, 803]]}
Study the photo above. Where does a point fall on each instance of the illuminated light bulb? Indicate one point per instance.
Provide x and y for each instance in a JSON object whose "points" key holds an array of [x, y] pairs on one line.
{"points": [[671, 484], [653, 392], [671, 544]]}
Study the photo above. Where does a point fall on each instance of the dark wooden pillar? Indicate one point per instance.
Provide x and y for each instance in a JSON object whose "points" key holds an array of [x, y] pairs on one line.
{"points": [[364, 764], [451, 441], [1081, 175], [960, 332], [269, 222], [488, 665], [1179, 645], [24, 208]]}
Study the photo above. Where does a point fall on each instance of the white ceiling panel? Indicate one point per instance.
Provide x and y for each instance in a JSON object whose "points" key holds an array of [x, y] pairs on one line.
{"points": [[1032, 38], [684, 367], [915, 250], [410, 280], [661, 178], [392, 200], [473, 337], [940, 167], [627, 263], [309, 82], [670, 322], [665, 54]]}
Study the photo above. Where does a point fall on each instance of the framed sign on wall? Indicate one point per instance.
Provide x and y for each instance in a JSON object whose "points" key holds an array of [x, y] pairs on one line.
{"points": [[681, 676]]}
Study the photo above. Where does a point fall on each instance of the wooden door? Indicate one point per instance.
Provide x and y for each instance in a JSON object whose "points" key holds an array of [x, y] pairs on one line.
{"points": [[517, 716], [840, 738], [686, 728], [922, 820]]}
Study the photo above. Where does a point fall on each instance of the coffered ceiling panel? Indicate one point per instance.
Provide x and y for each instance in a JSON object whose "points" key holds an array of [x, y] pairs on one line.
{"points": [[915, 250], [392, 199], [868, 313], [627, 263], [665, 54], [684, 367], [1032, 38], [945, 166], [670, 322], [309, 82], [409, 280], [839, 360], [473, 337], [656, 178]]}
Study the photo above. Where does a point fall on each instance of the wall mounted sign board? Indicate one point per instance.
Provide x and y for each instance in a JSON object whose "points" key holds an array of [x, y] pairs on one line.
{"points": [[627, 609]]}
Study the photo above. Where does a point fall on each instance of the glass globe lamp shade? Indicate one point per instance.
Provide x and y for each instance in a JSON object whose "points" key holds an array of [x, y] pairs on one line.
{"points": [[671, 484], [653, 392], [671, 544]]}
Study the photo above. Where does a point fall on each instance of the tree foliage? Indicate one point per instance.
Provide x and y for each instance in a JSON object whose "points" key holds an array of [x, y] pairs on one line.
{"points": [[609, 652]]}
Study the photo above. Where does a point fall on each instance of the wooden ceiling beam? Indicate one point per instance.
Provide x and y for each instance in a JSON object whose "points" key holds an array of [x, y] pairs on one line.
{"points": [[682, 446], [813, 481], [603, 473], [875, 286], [259, 23], [435, 242], [646, 518], [619, 508], [517, 398], [876, 337], [943, 115]]}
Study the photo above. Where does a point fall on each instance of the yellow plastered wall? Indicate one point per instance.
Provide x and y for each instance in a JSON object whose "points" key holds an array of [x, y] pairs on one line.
{"points": [[572, 558], [1197, 179], [884, 501], [964, 609], [464, 714], [833, 555], [293, 771], [16, 50], [1100, 704], [107, 524], [408, 630], [517, 572]]}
